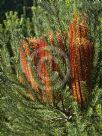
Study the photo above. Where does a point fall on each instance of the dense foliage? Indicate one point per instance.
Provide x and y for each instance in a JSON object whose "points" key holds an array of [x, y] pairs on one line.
{"points": [[19, 115]]}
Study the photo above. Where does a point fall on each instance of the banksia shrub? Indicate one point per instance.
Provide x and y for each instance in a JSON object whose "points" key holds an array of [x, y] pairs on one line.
{"points": [[81, 59]]}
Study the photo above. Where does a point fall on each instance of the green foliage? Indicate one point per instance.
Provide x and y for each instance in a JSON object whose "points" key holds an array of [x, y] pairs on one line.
{"points": [[19, 116]]}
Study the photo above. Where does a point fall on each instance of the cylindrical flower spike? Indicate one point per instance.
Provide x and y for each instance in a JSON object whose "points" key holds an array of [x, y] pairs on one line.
{"points": [[81, 59], [45, 55], [42, 52], [38, 46], [24, 53]]}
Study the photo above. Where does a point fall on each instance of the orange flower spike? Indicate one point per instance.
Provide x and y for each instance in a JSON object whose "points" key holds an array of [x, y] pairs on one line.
{"points": [[80, 53], [24, 53], [23, 61], [44, 74]]}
